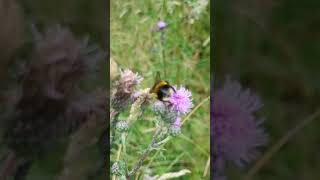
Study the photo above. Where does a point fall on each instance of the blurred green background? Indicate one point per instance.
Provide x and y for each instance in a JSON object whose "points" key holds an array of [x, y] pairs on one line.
{"points": [[83, 18], [273, 48], [187, 43]]}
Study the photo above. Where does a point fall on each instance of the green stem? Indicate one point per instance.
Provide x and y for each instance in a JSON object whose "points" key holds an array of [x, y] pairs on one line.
{"points": [[145, 154], [163, 53], [279, 144], [113, 130]]}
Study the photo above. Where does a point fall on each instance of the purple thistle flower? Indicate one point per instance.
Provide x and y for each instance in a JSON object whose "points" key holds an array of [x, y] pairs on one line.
{"points": [[161, 25], [236, 131], [181, 100], [51, 102]]}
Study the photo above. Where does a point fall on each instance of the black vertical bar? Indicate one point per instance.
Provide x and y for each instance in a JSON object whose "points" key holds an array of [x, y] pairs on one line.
{"points": [[107, 45], [212, 60]]}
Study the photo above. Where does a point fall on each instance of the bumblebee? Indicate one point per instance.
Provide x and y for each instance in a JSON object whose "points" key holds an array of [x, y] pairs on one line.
{"points": [[162, 89]]}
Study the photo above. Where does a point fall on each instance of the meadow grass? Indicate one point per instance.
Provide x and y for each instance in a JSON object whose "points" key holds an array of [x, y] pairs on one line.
{"points": [[134, 46]]}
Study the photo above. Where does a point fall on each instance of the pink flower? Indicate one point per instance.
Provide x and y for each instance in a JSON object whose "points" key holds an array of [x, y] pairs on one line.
{"points": [[161, 25], [237, 132], [129, 80], [181, 100]]}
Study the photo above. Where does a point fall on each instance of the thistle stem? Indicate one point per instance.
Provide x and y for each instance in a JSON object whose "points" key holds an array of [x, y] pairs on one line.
{"points": [[145, 154], [118, 158], [113, 132], [163, 53], [277, 146]]}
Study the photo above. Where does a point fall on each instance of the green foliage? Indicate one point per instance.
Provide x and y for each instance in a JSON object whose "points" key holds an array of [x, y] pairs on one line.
{"points": [[135, 46]]}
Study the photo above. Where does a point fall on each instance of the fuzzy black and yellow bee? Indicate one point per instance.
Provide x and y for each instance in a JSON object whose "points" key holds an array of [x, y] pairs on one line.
{"points": [[162, 89]]}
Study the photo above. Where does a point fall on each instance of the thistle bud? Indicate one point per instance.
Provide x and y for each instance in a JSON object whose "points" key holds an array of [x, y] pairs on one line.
{"points": [[166, 112], [115, 169], [174, 130], [118, 168], [122, 126]]}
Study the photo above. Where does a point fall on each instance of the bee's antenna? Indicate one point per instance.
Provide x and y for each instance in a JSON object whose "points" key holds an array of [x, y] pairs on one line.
{"points": [[174, 90]]}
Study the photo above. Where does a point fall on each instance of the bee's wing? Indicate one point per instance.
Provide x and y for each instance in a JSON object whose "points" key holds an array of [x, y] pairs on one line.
{"points": [[157, 80]]}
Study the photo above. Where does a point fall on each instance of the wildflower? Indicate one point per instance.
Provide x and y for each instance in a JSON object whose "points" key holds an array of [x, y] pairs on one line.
{"points": [[129, 80], [60, 61], [181, 100], [161, 25], [124, 89], [52, 102], [165, 111], [236, 131], [179, 103]]}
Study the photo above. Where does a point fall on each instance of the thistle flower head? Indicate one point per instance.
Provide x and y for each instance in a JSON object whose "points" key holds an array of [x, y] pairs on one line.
{"points": [[161, 25], [165, 111], [124, 88], [181, 100], [51, 92], [179, 103], [129, 80], [236, 130], [60, 61], [57, 45]]}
